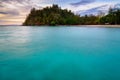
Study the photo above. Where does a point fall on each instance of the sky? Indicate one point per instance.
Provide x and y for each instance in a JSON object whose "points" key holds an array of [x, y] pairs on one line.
{"points": [[14, 12]]}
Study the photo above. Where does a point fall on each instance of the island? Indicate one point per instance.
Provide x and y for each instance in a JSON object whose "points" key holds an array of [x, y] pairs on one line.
{"points": [[54, 15]]}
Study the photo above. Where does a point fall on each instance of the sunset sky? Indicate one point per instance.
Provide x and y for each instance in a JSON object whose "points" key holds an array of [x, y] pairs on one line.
{"points": [[14, 12]]}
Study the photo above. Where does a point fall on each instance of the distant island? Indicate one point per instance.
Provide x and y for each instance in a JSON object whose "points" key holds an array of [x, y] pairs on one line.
{"points": [[54, 15]]}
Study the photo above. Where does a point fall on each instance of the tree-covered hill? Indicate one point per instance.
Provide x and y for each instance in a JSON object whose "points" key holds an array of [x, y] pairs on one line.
{"points": [[53, 15]]}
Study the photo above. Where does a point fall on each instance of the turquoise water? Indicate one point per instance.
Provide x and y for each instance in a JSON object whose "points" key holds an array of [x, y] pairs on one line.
{"points": [[59, 53]]}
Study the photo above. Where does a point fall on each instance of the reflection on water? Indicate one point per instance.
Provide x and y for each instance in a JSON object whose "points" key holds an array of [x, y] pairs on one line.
{"points": [[59, 53], [19, 35]]}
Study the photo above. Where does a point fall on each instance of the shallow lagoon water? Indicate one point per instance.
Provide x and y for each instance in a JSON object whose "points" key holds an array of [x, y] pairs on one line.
{"points": [[59, 53]]}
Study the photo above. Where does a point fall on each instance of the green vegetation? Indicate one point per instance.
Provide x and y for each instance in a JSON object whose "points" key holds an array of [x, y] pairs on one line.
{"points": [[113, 17], [51, 16], [54, 15]]}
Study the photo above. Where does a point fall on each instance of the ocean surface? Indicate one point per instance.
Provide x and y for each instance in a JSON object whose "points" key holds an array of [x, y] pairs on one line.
{"points": [[59, 53]]}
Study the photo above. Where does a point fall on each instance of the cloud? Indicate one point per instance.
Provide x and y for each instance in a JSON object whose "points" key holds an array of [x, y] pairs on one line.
{"points": [[15, 11], [1, 5], [9, 1], [2, 12], [82, 2], [95, 10]]}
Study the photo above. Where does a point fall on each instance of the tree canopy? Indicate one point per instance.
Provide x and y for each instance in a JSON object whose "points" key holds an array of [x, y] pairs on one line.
{"points": [[54, 15], [113, 17]]}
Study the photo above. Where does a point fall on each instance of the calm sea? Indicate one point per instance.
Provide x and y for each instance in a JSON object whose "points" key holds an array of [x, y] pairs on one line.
{"points": [[59, 53]]}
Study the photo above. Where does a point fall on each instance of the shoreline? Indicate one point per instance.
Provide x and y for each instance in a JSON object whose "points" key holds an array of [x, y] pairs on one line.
{"points": [[101, 26], [97, 26]]}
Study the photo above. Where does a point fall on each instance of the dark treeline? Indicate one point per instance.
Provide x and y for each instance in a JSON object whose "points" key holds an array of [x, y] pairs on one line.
{"points": [[54, 15], [113, 17]]}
